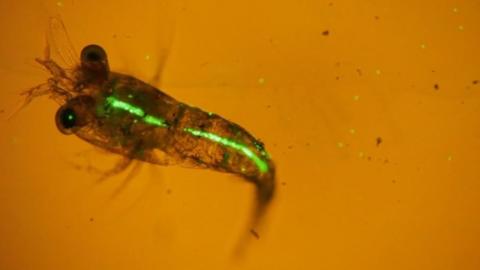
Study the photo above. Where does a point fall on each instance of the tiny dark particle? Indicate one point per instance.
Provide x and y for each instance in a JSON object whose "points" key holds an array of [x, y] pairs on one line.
{"points": [[307, 144], [254, 233], [369, 158], [91, 219], [436, 86], [330, 4], [394, 181], [2, 111], [359, 72], [169, 191], [385, 161], [378, 141], [376, 17], [114, 35], [337, 78], [290, 147], [326, 33], [284, 183], [475, 81]]}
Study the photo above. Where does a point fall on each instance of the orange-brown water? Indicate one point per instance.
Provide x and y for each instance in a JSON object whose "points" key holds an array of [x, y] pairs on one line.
{"points": [[377, 166]]}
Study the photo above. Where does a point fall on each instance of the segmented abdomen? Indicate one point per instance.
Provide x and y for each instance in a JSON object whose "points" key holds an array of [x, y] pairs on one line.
{"points": [[207, 140]]}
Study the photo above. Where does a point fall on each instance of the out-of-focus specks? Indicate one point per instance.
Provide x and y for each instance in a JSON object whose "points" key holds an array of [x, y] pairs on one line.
{"points": [[449, 157], [423, 46], [460, 28], [340, 144], [352, 131], [359, 71], [378, 71], [356, 97], [59, 3], [14, 140], [361, 154], [455, 10], [147, 57], [261, 80]]}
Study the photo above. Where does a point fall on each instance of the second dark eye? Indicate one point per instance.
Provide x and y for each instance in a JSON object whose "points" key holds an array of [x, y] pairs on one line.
{"points": [[93, 53], [66, 119]]}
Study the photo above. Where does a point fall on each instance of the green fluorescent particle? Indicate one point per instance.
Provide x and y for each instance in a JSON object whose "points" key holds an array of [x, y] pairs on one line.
{"points": [[261, 164], [137, 111], [152, 120]]}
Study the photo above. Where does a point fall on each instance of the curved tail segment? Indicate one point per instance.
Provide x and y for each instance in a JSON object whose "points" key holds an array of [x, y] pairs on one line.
{"points": [[265, 186]]}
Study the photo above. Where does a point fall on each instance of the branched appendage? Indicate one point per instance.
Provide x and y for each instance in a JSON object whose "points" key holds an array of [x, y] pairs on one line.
{"points": [[60, 86]]}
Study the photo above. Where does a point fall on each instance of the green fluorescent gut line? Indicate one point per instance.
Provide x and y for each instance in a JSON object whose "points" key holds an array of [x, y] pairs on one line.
{"points": [[137, 111], [261, 164]]}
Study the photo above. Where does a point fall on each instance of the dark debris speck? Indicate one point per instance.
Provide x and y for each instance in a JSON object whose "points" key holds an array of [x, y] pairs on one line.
{"points": [[436, 86], [91, 219], [254, 233], [475, 81], [326, 33], [378, 141]]}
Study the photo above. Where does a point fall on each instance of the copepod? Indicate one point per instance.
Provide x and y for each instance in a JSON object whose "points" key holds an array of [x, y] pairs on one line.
{"points": [[131, 118]]}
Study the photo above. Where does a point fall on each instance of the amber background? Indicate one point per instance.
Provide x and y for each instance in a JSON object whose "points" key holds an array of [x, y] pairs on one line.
{"points": [[319, 102]]}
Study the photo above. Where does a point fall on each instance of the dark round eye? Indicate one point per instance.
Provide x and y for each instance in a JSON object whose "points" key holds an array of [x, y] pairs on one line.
{"points": [[93, 53], [66, 119]]}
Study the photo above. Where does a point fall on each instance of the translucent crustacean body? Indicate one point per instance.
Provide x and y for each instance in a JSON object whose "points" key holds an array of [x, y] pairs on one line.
{"points": [[129, 117]]}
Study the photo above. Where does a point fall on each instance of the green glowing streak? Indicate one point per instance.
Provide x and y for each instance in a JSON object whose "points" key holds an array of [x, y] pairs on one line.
{"points": [[152, 120], [261, 164], [137, 111]]}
